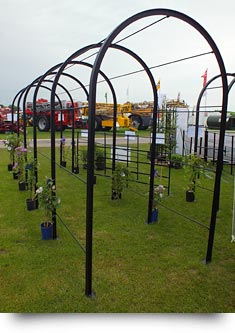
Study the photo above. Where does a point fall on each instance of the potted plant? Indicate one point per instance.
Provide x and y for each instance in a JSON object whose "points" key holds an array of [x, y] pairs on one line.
{"points": [[157, 197], [119, 180], [63, 161], [84, 158], [99, 159], [195, 166], [19, 166], [12, 142], [31, 203], [176, 161], [48, 202], [76, 166]]}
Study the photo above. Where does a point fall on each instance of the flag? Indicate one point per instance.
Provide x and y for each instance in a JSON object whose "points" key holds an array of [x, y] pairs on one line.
{"points": [[158, 85], [204, 76]]}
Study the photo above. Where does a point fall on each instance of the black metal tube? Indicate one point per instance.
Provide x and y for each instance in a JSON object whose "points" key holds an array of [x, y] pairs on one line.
{"points": [[206, 146], [231, 162], [204, 33], [199, 103]]}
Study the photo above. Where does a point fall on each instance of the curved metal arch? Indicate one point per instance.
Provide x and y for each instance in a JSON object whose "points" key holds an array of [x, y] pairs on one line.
{"points": [[231, 84], [86, 92], [52, 71], [12, 109], [61, 68], [92, 101], [24, 93], [199, 103], [155, 112], [91, 157], [83, 63]]}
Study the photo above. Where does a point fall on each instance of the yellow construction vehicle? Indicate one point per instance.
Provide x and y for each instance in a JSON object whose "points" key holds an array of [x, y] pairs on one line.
{"points": [[104, 116], [135, 116]]}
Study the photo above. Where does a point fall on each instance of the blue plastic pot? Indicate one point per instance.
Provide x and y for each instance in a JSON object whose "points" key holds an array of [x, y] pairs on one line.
{"points": [[46, 231], [154, 215]]}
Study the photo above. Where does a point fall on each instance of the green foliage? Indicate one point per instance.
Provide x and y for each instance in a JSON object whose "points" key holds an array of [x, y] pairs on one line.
{"points": [[46, 194], [83, 154], [176, 161], [137, 268], [12, 141], [158, 195], [195, 167], [20, 161], [64, 149], [31, 179], [120, 178], [99, 158]]}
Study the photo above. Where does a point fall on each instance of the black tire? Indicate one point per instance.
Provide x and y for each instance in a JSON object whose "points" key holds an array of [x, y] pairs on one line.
{"points": [[136, 121], [43, 124], [107, 128], [98, 124], [143, 128]]}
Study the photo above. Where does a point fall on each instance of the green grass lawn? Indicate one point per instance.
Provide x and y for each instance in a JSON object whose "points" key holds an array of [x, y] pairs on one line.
{"points": [[136, 267], [68, 133]]}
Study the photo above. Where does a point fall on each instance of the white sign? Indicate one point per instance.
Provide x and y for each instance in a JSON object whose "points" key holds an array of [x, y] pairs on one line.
{"points": [[122, 154], [160, 138], [130, 135], [84, 133], [9, 117]]}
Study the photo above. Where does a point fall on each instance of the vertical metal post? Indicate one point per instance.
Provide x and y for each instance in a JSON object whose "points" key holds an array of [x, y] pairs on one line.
{"points": [[138, 156], [214, 140], [73, 137], [114, 136], [232, 145], [61, 136], [183, 142], [200, 146], [90, 188], [105, 151], [53, 164], [152, 154], [190, 147], [128, 147], [206, 146]]}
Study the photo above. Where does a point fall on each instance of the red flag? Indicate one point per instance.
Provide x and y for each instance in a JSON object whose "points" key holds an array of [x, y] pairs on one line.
{"points": [[204, 76]]}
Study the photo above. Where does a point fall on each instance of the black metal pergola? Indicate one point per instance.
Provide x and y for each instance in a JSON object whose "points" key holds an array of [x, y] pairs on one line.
{"points": [[103, 46]]}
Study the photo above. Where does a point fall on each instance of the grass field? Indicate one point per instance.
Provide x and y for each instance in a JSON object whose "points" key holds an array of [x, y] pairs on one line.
{"points": [[136, 267]]}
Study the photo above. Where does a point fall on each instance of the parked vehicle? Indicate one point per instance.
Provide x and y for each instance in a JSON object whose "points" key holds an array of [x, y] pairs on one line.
{"points": [[63, 116]]}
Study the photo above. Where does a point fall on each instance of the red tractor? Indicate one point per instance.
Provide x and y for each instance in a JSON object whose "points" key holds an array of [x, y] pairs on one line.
{"points": [[63, 117]]}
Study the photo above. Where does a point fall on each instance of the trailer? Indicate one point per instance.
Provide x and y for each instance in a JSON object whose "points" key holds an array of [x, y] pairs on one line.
{"points": [[6, 123], [213, 122], [65, 115]]}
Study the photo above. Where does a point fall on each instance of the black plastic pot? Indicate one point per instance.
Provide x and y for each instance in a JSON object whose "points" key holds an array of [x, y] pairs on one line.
{"points": [[15, 175], [63, 164], [31, 204], [116, 195], [22, 186], [76, 170], [190, 197], [10, 167]]}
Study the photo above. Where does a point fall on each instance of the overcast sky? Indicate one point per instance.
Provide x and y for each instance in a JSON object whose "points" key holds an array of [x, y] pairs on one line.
{"points": [[35, 35]]}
